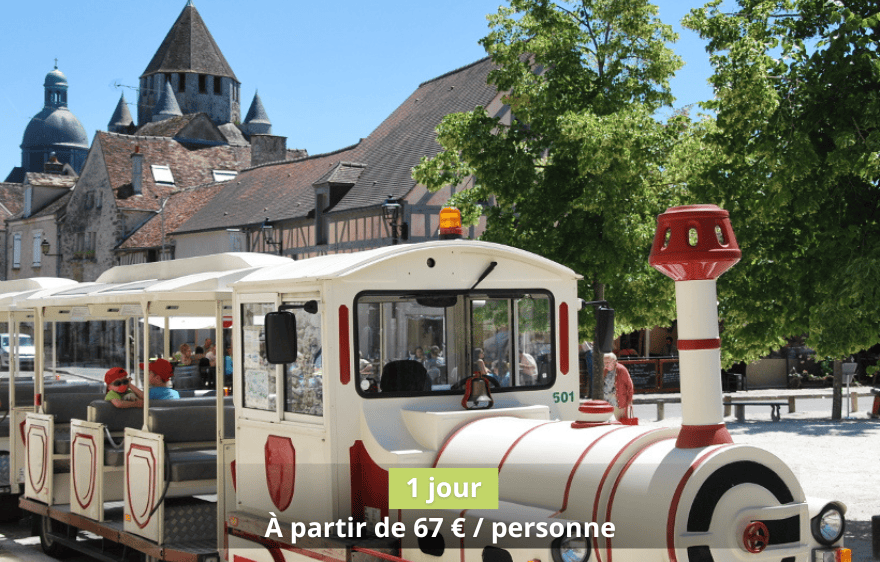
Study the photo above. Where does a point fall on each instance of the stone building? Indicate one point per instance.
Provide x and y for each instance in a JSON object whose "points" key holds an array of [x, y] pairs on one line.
{"points": [[332, 203], [33, 236], [190, 64]]}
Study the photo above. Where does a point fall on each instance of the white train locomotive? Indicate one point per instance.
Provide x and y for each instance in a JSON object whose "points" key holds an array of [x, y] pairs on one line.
{"points": [[374, 356]]}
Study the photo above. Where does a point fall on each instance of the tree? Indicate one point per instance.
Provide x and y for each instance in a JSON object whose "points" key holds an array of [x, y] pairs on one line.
{"points": [[582, 169], [797, 85]]}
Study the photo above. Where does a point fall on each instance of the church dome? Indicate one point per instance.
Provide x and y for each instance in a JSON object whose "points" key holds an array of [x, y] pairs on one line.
{"points": [[55, 126], [55, 79]]}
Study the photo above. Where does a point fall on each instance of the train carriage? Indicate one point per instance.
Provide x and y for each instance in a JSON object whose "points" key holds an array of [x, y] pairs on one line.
{"points": [[452, 353]]}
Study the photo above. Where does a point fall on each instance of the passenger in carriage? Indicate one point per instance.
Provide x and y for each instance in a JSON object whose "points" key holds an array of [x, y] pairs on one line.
{"points": [[120, 392], [528, 369], [419, 355], [161, 372], [211, 355], [184, 356]]}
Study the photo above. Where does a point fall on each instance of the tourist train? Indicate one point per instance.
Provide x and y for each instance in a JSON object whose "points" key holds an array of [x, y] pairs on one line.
{"points": [[445, 354]]}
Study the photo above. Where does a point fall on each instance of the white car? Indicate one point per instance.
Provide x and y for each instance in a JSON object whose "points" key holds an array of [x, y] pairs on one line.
{"points": [[26, 350]]}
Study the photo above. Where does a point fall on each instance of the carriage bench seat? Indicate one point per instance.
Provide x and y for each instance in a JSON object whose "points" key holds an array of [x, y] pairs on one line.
{"points": [[117, 419], [189, 436], [740, 408], [65, 407]]}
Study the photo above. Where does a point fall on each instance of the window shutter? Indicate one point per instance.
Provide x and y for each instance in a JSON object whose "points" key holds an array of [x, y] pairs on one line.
{"points": [[38, 250], [16, 250]]}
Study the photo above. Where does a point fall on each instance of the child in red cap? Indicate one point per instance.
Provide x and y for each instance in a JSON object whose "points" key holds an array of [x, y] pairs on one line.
{"points": [[120, 392], [161, 372]]}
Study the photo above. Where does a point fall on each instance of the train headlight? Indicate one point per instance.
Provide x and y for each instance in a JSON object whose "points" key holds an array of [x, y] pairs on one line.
{"points": [[571, 549], [829, 525]]}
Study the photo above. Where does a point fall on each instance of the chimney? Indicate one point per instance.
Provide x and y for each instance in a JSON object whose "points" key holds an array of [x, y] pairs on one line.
{"points": [[694, 245], [53, 166], [268, 148], [137, 170]]}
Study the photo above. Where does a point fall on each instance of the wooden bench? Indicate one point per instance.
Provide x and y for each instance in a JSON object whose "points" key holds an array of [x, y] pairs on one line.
{"points": [[740, 408]]}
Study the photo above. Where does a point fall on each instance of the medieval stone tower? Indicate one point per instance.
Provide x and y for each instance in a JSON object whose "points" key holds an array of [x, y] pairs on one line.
{"points": [[190, 62]]}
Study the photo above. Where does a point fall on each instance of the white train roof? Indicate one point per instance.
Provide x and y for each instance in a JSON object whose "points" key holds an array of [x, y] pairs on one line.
{"points": [[392, 258], [165, 270], [196, 283]]}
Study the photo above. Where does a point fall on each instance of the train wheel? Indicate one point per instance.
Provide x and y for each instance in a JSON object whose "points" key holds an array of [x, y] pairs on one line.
{"points": [[47, 526]]}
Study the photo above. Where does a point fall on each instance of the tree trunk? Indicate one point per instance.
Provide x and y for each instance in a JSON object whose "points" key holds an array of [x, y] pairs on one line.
{"points": [[596, 390], [837, 393]]}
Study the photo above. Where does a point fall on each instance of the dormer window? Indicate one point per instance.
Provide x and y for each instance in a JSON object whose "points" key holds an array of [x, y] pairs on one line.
{"points": [[223, 175], [162, 175]]}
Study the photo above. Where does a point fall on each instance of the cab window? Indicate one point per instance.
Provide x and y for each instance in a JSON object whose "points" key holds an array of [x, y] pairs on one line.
{"points": [[410, 344], [303, 388]]}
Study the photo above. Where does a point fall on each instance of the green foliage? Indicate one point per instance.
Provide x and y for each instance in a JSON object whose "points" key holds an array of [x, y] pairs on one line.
{"points": [[797, 141], [579, 168]]}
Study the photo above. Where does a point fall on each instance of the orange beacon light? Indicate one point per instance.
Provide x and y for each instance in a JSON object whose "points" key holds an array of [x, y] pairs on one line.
{"points": [[450, 223]]}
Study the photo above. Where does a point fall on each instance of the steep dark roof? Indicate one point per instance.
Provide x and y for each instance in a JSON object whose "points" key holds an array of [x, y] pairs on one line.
{"points": [[285, 190], [190, 167], [257, 113], [121, 115], [189, 47], [180, 207], [167, 106]]}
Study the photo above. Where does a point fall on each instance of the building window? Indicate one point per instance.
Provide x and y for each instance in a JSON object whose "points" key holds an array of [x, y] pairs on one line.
{"points": [[89, 201], [181, 82], [37, 249], [203, 84], [223, 175], [218, 85], [16, 250], [162, 175]]}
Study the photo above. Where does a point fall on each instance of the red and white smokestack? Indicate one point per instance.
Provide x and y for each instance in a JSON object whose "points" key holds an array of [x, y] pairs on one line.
{"points": [[694, 245]]}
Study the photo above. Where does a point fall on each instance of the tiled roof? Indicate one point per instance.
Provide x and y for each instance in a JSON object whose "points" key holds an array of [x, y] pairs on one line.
{"points": [[285, 190], [190, 167], [189, 47], [180, 207], [167, 127], [11, 201], [50, 180]]}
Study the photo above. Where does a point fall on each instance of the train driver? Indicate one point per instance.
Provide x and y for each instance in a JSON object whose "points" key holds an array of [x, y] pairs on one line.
{"points": [[120, 392], [161, 372]]}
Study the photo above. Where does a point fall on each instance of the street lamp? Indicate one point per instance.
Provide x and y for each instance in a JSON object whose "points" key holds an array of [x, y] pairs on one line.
{"points": [[391, 210], [267, 229], [45, 247]]}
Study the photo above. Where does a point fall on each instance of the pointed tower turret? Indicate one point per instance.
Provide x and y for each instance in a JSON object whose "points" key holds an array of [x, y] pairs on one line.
{"points": [[191, 62], [257, 121], [167, 106], [121, 121]]}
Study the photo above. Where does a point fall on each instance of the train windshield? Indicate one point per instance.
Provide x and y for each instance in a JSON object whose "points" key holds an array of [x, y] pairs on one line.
{"points": [[410, 344]]}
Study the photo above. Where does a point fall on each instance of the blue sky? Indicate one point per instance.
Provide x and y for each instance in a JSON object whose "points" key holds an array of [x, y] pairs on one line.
{"points": [[328, 72]]}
